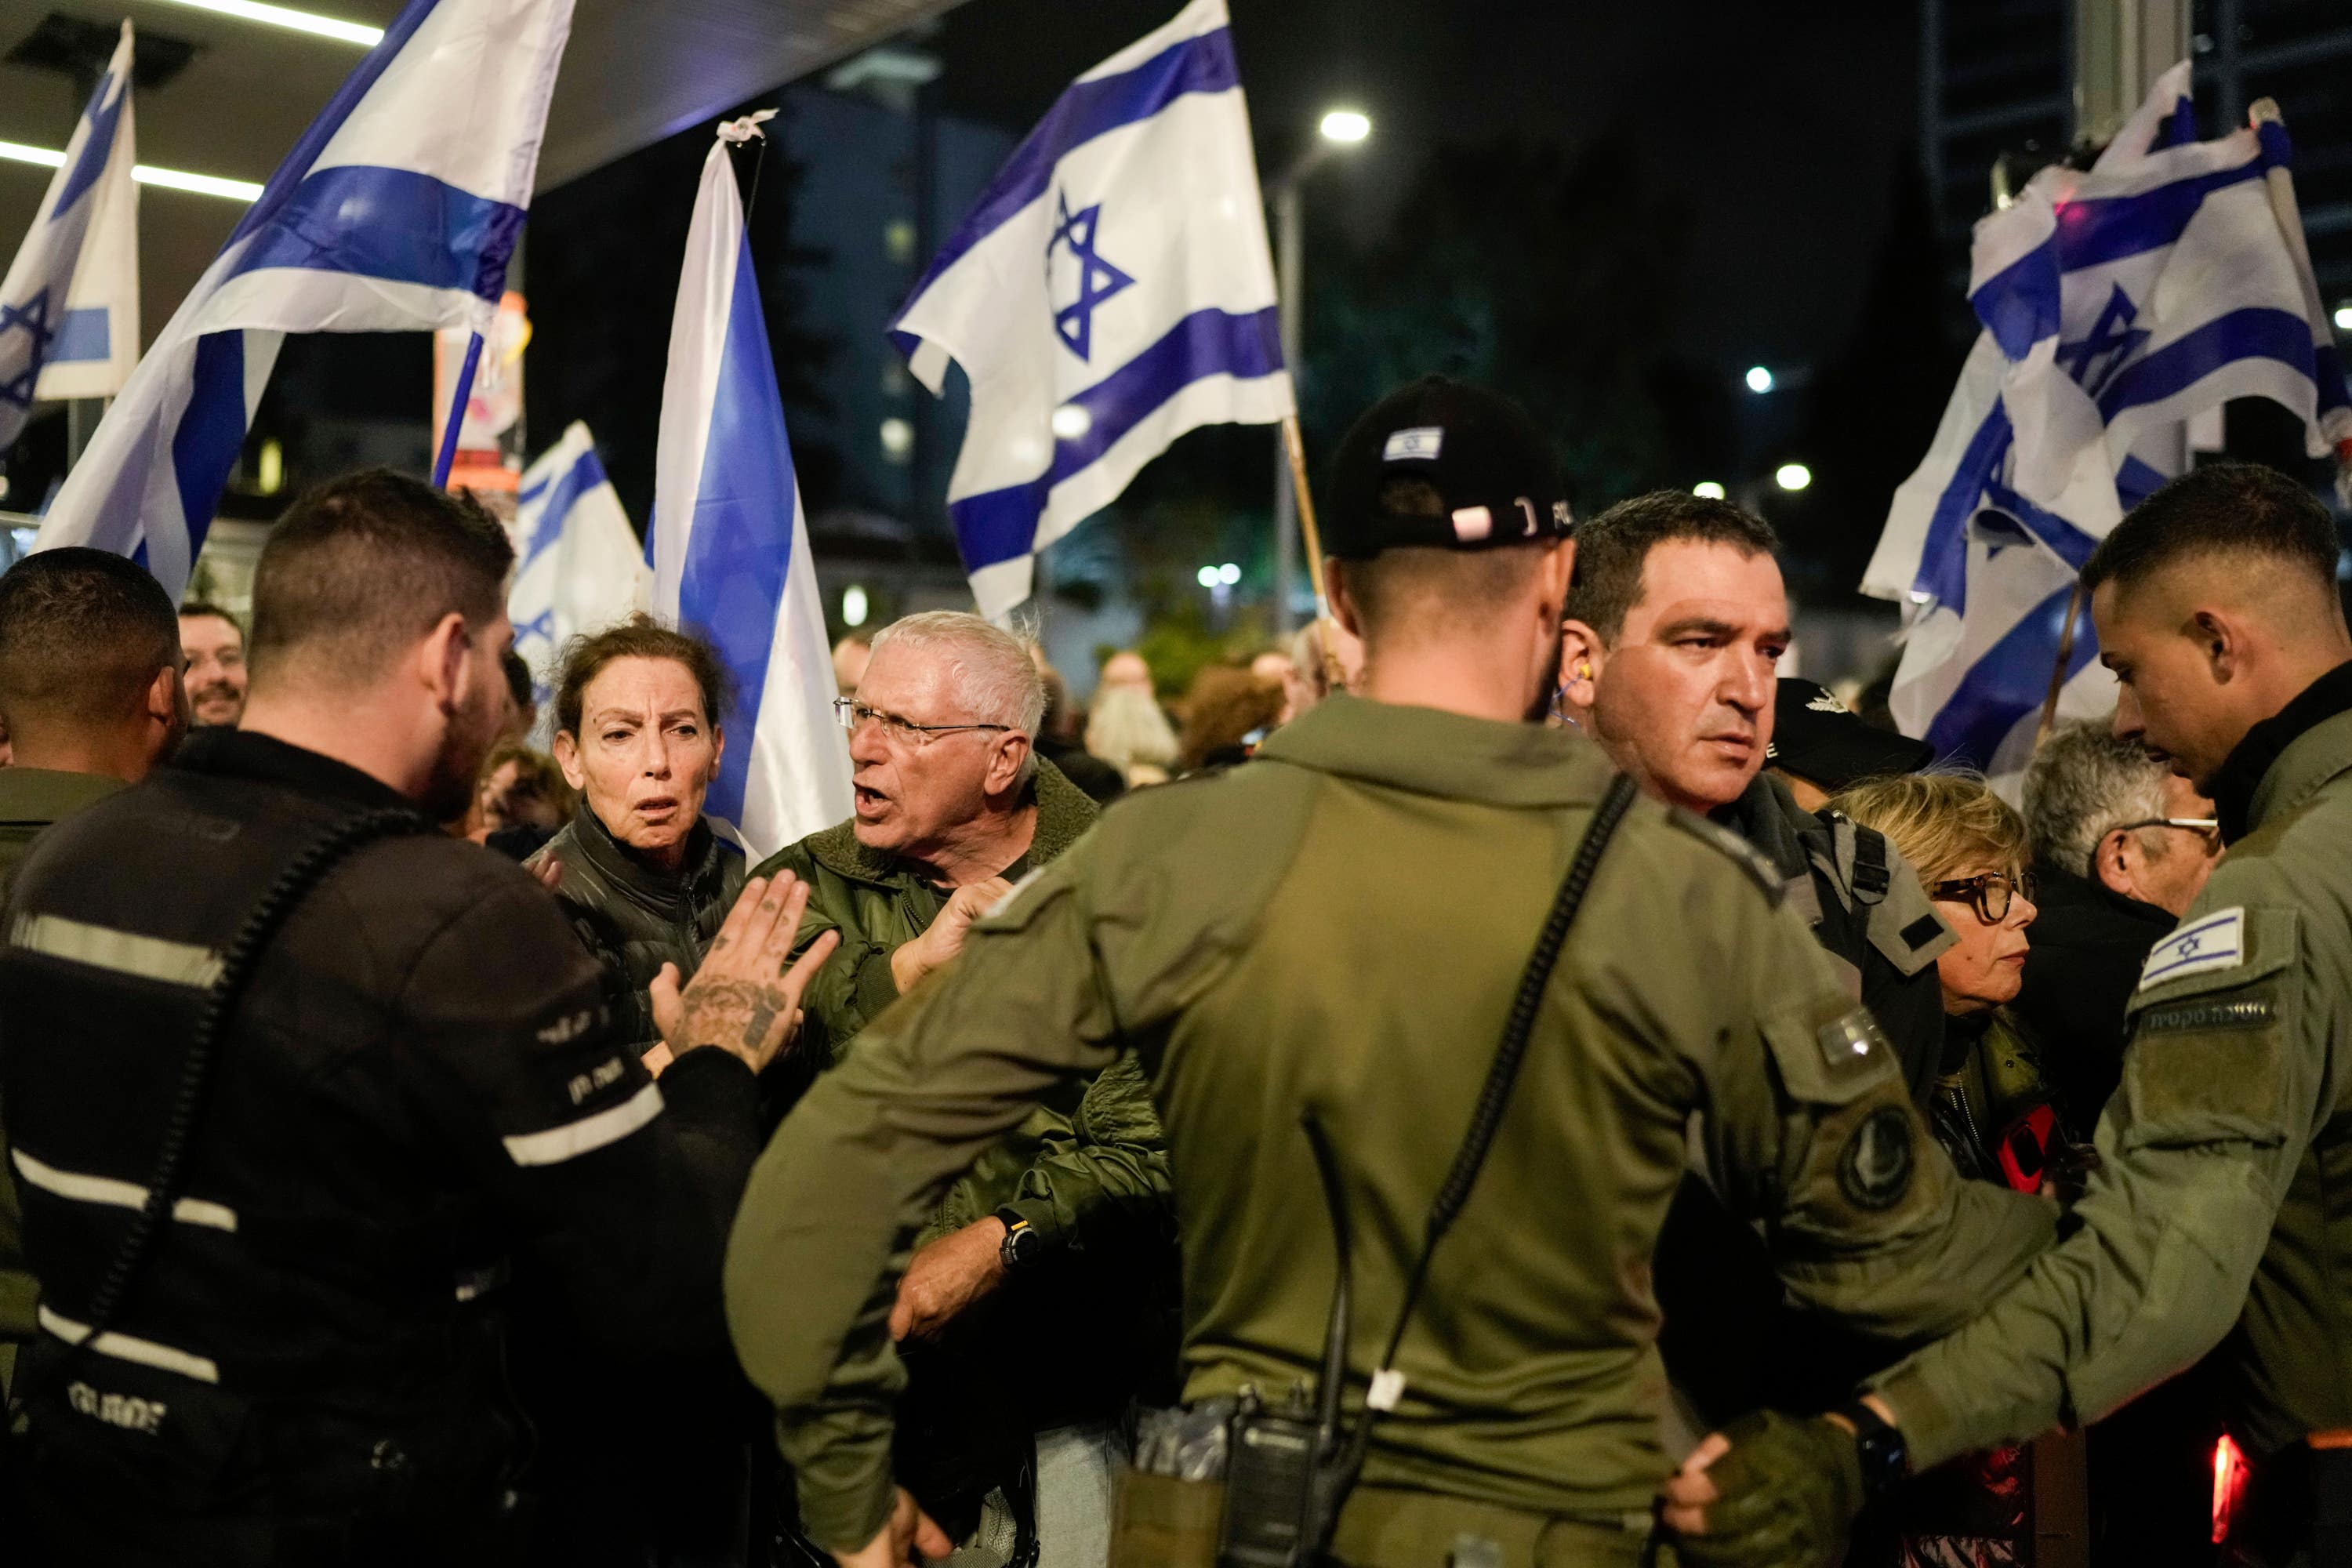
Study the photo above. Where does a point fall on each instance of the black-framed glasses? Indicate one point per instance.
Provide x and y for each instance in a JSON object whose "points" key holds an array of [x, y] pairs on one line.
{"points": [[1990, 892], [852, 714], [2208, 828]]}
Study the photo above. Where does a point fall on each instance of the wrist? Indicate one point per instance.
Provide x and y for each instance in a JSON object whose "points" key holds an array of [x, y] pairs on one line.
{"points": [[1884, 1457], [908, 964]]}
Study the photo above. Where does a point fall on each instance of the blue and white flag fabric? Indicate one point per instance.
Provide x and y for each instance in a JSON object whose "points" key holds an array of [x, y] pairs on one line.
{"points": [[69, 306], [2117, 302], [729, 541], [578, 567], [396, 211], [1111, 290]]}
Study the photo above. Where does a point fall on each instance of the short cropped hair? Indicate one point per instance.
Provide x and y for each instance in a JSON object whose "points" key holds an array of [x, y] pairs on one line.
{"points": [[1453, 590], [639, 636], [192, 609], [1612, 548], [82, 634], [2220, 510], [364, 565], [1946, 824], [2082, 783]]}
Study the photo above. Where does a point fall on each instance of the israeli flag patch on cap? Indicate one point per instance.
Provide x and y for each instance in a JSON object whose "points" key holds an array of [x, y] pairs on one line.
{"points": [[2208, 943], [1423, 441]]}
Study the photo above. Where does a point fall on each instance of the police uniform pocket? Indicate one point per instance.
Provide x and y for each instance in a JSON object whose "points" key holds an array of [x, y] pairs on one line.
{"points": [[2206, 1061], [124, 1430]]}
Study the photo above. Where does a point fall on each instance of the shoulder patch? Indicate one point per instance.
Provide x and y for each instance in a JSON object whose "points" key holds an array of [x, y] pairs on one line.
{"points": [[2212, 941], [1746, 856]]}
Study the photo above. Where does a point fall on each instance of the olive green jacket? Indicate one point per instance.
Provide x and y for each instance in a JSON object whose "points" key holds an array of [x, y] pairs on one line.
{"points": [[1092, 1154], [1338, 928], [2223, 1197], [30, 800]]}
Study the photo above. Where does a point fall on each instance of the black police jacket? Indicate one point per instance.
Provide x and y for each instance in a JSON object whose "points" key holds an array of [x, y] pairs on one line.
{"points": [[419, 1097]]}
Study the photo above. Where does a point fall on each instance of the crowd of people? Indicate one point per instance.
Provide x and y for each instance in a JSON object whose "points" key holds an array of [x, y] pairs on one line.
{"points": [[432, 1148]]}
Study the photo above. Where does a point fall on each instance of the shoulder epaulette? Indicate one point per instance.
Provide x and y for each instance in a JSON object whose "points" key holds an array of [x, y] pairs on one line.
{"points": [[1746, 856]]}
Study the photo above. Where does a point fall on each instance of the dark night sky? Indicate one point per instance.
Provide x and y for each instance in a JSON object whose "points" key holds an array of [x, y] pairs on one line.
{"points": [[1777, 126]]}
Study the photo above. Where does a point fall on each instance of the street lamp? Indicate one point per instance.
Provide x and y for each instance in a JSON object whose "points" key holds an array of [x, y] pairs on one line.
{"points": [[2344, 318], [1760, 380], [1340, 129], [1708, 489], [1792, 477]]}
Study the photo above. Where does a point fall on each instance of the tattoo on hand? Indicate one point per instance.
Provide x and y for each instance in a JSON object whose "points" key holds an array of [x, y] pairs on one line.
{"points": [[755, 1033], [717, 1010]]}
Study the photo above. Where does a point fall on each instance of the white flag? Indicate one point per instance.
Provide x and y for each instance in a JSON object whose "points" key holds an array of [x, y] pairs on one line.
{"points": [[578, 565], [731, 545], [1111, 290], [70, 307]]}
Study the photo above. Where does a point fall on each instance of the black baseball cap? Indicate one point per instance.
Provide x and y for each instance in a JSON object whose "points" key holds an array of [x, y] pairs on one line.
{"points": [[1446, 465], [1819, 738]]}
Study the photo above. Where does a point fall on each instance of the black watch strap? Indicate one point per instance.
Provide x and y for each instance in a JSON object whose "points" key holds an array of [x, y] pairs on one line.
{"points": [[1885, 1459], [1021, 1242]]}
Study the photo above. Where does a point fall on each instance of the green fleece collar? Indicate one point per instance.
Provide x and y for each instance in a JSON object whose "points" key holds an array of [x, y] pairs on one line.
{"points": [[2307, 761], [1064, 812], [1434, 752]]}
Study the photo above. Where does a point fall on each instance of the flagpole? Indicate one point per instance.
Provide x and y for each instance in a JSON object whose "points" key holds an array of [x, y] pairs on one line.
{"points": [[2058, 670], [448, 458], [1312, 539]]}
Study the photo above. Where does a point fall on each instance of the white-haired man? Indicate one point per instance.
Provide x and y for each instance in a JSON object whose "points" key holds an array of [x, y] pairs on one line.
{"points": [[1067, 1227]]}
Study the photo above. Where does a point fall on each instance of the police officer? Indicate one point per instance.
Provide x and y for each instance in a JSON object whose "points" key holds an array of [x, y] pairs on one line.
{"points": [[1337, 928], [1678, 619], [301, 1091], [2224, 1196]]}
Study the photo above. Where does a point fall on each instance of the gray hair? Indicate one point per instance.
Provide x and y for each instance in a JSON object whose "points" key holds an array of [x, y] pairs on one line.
{"points": [[2083, 784], [996, 682]]}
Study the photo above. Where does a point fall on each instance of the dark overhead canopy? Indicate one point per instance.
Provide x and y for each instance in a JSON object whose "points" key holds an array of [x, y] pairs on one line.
{"points": [[634, 71]]}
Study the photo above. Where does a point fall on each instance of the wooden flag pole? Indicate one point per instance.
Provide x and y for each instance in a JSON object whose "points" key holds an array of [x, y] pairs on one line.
{"points": [[1311, 539], [2058, 670]]}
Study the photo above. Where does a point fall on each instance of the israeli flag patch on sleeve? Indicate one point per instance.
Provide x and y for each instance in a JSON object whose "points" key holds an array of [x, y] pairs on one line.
{"points": [[2208, 943], [1423, 442]]}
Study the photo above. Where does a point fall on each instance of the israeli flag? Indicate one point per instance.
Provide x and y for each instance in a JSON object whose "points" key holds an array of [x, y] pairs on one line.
{"points": [[730, 544], [2117, 302], [1111, 290], [396, 211], [70, 307], [578, 567]]}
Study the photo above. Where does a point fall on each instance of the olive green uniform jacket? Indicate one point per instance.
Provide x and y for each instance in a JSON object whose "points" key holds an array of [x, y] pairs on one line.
{"points": [[2224, 1193], [1338, 927], [30, 800]]}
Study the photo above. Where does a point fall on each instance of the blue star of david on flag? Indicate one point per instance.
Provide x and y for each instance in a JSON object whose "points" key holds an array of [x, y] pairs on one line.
{"points": [[32, 319], [1097, 280], [2111, 345]]}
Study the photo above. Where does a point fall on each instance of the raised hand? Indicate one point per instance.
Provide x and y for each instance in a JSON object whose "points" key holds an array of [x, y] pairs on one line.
{"points": [[743, 1000]]}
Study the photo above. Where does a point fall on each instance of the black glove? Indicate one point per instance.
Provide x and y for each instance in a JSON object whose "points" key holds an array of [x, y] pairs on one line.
{"points": [[1786, 1493]]}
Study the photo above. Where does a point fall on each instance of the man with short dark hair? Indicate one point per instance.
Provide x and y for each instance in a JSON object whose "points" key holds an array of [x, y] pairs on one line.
{"points": [[281, 1242], [214, 645], [90, 693], [2223, 1197], [1676, 623]]}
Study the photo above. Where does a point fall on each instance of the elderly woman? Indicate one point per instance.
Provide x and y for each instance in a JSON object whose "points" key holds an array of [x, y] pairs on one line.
{"points": [[1993, 1106], [645, 882]]}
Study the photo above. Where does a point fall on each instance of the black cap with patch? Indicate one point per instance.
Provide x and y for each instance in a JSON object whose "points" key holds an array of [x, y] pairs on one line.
{"points": [[1443, 465], [1817, 737]]}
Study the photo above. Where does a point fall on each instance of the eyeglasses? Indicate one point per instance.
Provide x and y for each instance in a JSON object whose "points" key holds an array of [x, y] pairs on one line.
{"points": [[1991, 893], [902, 731], [2206, 827]]}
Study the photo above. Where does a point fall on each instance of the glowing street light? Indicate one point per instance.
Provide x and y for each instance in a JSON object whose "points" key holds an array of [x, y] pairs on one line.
{"points": [[1206, 577], [1346, 125], [1792, 476], [1760, 380], [1708, 489], [2344, 318]]}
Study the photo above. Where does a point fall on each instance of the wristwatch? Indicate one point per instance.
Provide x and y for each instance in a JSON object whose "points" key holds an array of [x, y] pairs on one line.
{"points": [[1885, 1459], [1021, 1246]]}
